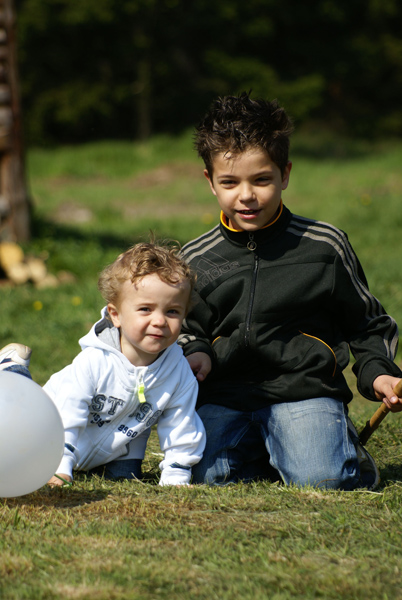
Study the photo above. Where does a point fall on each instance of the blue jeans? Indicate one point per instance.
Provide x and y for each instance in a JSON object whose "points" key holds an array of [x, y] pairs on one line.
{"points": [[20, 369], [128, 469], [306, 442]]}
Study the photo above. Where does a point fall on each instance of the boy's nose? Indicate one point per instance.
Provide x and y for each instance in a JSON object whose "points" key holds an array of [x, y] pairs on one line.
{"points": [[246, 192]]}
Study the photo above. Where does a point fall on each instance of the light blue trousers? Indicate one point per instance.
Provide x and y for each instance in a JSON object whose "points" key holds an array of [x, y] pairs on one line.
{"points": [[306, 442]]}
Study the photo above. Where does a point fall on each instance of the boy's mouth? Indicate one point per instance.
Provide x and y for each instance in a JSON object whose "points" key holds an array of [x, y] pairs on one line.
{"points": [[248, 213]]}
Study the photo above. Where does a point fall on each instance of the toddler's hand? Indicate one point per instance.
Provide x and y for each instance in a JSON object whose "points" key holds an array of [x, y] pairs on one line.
{"points": [[54, 481]]}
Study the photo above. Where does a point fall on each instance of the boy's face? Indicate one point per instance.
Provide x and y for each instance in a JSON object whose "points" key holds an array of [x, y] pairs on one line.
{"points": [[149, 313], [248, 187]]}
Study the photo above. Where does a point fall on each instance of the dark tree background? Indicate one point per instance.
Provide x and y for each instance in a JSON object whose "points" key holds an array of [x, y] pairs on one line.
{"points": [[129, 68]]}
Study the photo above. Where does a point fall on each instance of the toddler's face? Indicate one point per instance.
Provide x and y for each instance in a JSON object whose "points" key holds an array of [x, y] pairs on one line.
{"points": [[248, 187], [149, 313]]}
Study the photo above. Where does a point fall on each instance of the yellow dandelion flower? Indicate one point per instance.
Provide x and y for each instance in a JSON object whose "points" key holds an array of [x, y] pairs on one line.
{"points": [[207, 218], [365, 199]]}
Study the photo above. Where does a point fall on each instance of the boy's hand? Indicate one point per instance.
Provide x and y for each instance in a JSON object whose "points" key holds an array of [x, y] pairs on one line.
{"points": [[200, 364], [384, 390], [56, 481]]}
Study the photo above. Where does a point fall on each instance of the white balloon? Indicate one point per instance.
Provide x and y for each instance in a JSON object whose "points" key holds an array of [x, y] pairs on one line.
{"points": [[31, 436]]}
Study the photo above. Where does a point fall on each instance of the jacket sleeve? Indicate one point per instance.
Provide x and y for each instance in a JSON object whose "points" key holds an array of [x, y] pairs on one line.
{"points": [[371, 333], [180, 430], [72, 390], [196, 331]]}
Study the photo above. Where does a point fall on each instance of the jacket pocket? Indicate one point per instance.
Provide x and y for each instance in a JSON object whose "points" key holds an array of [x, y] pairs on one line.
{"points": [[229, 352], [327, 349]]}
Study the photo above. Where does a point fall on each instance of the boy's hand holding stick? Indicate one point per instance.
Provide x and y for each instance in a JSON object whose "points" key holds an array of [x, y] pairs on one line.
{"points": [[380, 414]]}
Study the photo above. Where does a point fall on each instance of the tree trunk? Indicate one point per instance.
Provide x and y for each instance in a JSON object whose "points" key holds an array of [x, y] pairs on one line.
{"points": [[15, 205]]}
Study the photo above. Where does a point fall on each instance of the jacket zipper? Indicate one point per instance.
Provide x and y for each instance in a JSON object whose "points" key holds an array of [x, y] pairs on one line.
{"points": [[141, 389], [252, 247]]}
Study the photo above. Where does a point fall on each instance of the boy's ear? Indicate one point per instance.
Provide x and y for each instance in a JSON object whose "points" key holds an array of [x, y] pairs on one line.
{"points": [[286, 175], [211, 185], [114, 314]]}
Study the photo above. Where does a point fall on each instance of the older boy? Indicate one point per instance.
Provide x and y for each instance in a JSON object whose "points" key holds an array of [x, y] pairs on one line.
{"points": [[281, 299], [130, 374]]}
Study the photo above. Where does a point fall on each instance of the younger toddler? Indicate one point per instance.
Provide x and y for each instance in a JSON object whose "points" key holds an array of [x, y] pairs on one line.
{"points": [[130, 374]]}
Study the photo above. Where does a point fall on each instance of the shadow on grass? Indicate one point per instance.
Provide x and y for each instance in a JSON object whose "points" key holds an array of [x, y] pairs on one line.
{"points": [[57, 498], [70, 246], [390, 474], [44, 229]]}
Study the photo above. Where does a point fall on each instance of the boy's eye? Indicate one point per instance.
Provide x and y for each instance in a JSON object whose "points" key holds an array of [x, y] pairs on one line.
{"points": [[144, 309]]}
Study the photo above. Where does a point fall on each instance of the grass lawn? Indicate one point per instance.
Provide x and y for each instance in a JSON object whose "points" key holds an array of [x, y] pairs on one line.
{"points": [[106, 541]]}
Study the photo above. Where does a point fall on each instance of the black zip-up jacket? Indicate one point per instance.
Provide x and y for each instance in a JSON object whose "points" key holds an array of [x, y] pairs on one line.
{"points": [[281, 307]]}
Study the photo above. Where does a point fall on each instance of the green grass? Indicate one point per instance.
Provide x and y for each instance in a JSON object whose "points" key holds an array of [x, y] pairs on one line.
{"points": [[124, 540], [106, 541]]}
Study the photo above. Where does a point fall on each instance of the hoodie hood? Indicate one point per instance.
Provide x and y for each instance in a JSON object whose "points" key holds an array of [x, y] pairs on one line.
{"points": [[103, 335], [106, 337]]}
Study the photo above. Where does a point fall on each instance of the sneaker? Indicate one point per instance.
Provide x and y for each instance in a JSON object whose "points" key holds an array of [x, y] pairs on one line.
{"points": [[369, 473], [14, 354]]}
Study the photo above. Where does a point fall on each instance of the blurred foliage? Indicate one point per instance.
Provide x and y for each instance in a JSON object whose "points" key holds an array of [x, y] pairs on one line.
{"points": [[124, 69]]}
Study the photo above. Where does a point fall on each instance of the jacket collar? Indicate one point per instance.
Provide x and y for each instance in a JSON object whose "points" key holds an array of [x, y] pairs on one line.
{"points": [[260, 236]]}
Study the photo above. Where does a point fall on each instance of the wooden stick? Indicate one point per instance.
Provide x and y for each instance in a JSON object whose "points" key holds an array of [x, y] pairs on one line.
{"points": [[379, 415]]}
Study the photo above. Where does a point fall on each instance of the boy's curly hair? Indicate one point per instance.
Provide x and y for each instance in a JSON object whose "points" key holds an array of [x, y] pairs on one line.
{"points": [[235, 123], [143, 259]]}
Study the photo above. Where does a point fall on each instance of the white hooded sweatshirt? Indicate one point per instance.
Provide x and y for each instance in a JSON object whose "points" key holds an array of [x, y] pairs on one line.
{"points": [[108, 405]]}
